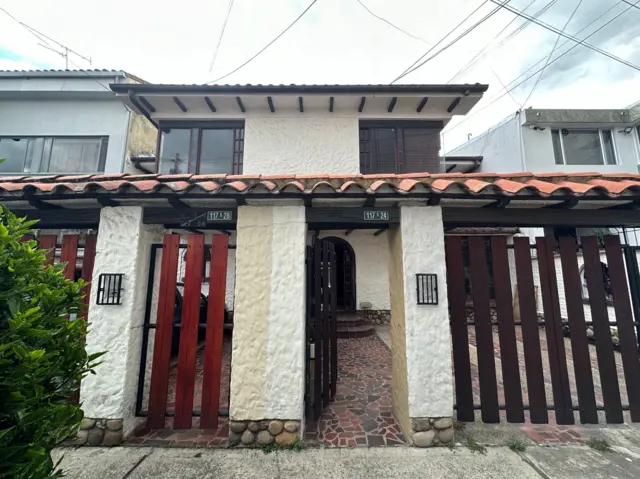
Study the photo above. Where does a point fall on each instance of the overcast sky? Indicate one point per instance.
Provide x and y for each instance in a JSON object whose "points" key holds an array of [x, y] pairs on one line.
{"points": [[338, 41]]}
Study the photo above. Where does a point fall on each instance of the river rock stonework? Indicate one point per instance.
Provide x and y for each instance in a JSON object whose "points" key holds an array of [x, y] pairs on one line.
{"points": [[98, 432], [262, 433], [431, 431], [375, 316]]}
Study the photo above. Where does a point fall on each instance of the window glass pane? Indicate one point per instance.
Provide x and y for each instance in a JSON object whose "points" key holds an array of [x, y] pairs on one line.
{"points": [[216, 151], [14, 152], [609, 151], [582, 147], [71, 155], [421, 151], [174, 151], [557, 147]]}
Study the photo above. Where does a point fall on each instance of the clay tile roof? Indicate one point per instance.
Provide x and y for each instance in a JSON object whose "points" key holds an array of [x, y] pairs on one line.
{"points": [[592, 186]]}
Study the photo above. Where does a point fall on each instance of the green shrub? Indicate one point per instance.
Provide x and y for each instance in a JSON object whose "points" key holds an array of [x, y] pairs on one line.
{"points": [[42, 354]]}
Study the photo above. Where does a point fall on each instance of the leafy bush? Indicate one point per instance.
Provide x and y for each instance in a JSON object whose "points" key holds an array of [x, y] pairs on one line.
{"points": [[42, 354]]}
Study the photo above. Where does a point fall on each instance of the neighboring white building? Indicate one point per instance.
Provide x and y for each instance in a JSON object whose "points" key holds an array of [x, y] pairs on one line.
{"points": [[568, 141], [68, 121]]}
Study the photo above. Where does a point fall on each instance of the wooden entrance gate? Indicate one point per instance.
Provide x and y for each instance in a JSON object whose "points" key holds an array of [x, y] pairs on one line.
{"points": [[321, 340], [185, 311], [498, 306]]}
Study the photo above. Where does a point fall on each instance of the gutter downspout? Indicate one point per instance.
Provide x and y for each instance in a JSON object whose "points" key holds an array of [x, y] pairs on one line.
{"points": [[523, 163]]}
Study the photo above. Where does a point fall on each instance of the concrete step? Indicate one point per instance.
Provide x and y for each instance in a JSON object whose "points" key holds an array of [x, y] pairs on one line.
{"points": [[361, 331], [350, 323]]}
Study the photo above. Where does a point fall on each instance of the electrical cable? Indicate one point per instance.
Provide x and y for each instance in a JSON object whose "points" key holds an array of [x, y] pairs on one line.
{"points": [[539, 70], [555, 45], [571, 37], [454, 41], [224, 26], [443, 38], [465, 68], [267, 45], [391, 24]]}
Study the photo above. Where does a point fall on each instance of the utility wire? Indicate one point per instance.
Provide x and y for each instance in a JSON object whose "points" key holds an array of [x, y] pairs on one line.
{"points": [[453, 42], [392, 25], [632, 4], [224, 26], [268, 44], [571, 37], [603, 14], [555, 45], [465, 68], [511, 88], [442, 39], [504, 86]]}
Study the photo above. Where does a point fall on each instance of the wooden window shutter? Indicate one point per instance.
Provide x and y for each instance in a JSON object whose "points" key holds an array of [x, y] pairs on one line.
{"points": [[421, 149]]}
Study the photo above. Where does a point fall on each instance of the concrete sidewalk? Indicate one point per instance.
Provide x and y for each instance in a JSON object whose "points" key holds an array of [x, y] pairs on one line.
{"points": [[398, 462]]}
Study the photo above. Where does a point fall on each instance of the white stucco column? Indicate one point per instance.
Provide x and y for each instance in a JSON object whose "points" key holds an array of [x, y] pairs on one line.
{"points": [[108, 397], [267, 362], [420, 336]]}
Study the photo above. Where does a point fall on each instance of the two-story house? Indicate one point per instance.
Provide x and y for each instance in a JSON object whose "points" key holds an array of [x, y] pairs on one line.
{"points": [[308, 129], [69, 121]]}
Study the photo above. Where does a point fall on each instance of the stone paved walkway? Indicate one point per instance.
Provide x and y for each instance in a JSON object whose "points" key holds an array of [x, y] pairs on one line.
{"points": [[361, 413], [194, 436]]}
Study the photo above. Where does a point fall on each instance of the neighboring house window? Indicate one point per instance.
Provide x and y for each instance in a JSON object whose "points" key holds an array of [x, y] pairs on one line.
{"points": [[583, 147], [202, 150], [399, 148], [53, 154]]}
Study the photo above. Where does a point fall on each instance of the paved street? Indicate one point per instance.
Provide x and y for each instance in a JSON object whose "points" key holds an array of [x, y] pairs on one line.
{"points": [[391, 462]]}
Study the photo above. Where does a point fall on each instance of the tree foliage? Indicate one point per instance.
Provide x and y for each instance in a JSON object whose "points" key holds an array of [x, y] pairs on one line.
{"points": [[42, 354]]}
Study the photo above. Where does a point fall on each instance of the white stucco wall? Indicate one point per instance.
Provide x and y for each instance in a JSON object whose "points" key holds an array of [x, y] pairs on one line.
{"points": [[500, 148], [123, 246], [372, 265], [539, 156], [301, 145], [267, 363], [428, 338], [70, 118]]}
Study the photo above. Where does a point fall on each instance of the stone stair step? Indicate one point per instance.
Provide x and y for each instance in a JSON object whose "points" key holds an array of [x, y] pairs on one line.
{"points": [[356, 331]]}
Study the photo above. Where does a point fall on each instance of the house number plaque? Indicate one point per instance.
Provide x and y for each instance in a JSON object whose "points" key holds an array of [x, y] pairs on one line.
{"points": [[219, 216], [200, 221], [376, 215]]}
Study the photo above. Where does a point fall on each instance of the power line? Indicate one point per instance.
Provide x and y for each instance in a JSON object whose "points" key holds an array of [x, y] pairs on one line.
{"points": [[465, 68], [454, 41], [565, 42], [442, 39], [571, 37], [267, 45], [392, 25], [224, 26], [632, 4], [552, 61], [555, 45], [504, 86]]}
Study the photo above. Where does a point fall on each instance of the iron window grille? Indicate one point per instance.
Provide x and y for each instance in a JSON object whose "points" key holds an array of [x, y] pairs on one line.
{"points": [[110, 289], [427, 288]]}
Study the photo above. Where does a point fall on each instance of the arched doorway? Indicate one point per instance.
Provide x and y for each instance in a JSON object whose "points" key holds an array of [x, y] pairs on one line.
{"points": [[346, 274]]}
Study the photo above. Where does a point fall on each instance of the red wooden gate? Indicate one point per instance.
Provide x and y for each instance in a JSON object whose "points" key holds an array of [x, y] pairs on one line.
{"points": [[68, 252], [187, 326], [482, 312]]}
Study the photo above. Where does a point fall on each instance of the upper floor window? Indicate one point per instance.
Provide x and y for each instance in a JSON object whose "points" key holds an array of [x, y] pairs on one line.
{"points": [[400, 147], [202, 150], [583, 147], [53, 154]]}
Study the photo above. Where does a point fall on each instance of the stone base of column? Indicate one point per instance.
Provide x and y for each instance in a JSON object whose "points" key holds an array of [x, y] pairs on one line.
{"points": [[431, 431], [282, 432], [98, 432]]}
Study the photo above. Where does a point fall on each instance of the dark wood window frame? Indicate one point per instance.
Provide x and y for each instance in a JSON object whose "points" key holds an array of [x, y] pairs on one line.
{"points": [[237, 155], [399, 127]]}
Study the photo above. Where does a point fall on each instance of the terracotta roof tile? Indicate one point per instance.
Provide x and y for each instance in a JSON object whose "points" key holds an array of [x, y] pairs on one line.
{"points": [[590, 186]]}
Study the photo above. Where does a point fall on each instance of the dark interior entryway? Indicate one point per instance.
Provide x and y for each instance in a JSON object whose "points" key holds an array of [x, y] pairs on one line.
{"points": [[346, 275]]}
